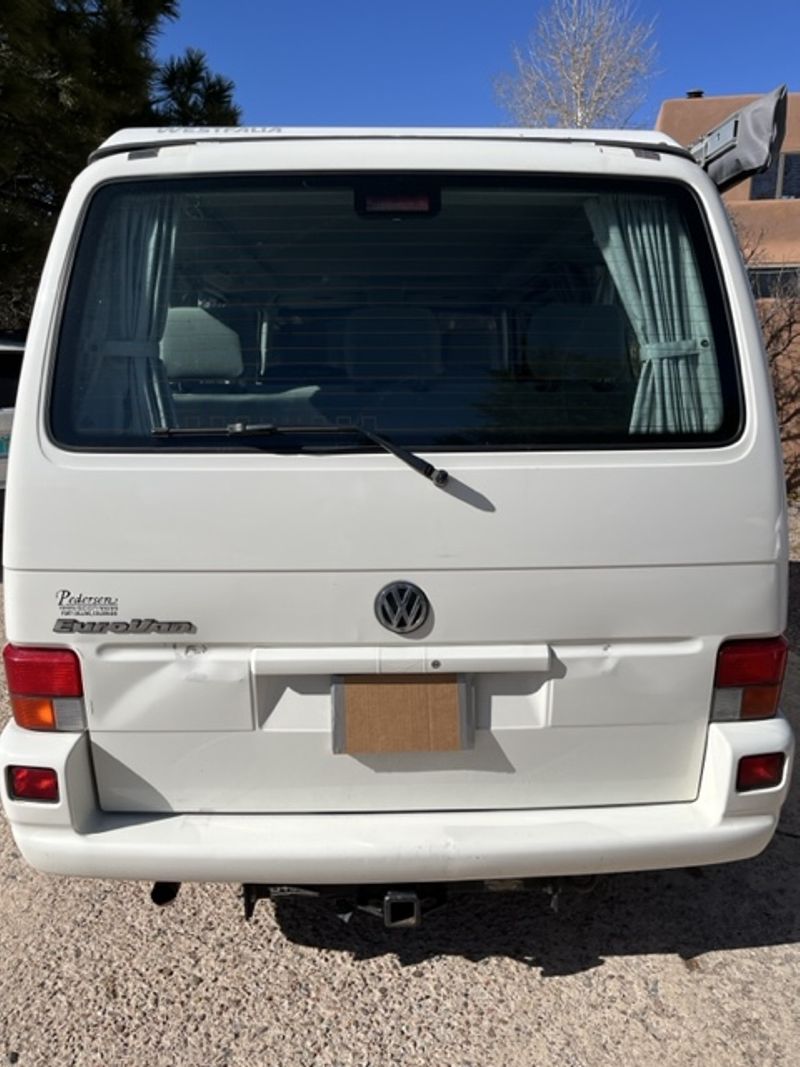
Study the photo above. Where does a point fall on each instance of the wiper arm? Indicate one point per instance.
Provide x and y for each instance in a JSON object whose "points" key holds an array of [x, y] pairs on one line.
{"points": [[253, 429], [427, 470]]}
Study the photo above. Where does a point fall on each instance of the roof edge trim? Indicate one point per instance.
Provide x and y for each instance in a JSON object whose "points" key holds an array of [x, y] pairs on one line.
{"points": [[138, 141]]}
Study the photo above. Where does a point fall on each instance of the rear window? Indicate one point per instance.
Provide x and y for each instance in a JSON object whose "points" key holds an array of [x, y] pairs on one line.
{"points": [[487, 313]]}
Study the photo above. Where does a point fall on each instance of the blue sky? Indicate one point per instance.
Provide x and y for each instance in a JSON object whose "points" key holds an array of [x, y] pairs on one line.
{"points": [[410, 62]]}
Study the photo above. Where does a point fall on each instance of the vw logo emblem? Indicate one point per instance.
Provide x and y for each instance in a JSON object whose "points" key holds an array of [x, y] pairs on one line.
{"points": [[402, 607]]}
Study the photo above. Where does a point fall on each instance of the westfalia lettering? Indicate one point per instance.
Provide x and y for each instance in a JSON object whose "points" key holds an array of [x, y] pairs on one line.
{"points": [[135, 626]]}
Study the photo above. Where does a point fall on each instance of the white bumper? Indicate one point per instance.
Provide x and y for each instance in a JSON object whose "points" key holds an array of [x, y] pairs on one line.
{"points": [[74, 837]]}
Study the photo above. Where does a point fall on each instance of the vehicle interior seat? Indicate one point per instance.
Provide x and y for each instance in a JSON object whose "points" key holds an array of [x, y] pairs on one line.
{"points": [[578, 357], [198, 347], [392, 344], [578, 342], [203, 361]]}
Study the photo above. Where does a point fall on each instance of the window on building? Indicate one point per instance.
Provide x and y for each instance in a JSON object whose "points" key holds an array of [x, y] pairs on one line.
{"points": [[771, 282], [780, 182], [790, 186]]}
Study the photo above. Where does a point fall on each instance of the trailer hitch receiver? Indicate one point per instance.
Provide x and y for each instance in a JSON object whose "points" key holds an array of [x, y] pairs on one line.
{"points": [[401, 908]]}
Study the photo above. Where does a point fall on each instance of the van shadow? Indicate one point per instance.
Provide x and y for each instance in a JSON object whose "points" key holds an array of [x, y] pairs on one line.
{"points": [[687, 913]]}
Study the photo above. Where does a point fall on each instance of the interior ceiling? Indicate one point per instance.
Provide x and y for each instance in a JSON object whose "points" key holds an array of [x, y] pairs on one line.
{"points": [[314, 241]]}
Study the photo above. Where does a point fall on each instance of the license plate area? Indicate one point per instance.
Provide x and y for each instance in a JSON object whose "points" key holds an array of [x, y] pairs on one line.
{"points": [[401, 713]]}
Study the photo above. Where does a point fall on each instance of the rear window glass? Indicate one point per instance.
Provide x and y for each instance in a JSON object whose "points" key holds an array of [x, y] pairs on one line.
{"points": [[441, 312]]}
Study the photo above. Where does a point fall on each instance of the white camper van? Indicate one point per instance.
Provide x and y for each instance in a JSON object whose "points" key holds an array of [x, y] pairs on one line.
{"points": [[393, 509]]}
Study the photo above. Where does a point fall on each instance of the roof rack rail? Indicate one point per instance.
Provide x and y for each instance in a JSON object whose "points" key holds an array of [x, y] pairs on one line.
{"points": [[147, 139]]}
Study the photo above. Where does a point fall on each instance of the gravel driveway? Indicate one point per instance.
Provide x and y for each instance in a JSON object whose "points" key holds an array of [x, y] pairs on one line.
{"points": [[680, 967]]}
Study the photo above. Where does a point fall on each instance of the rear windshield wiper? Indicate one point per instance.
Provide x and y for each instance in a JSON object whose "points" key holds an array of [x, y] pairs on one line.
{"points": [[267, 429]]}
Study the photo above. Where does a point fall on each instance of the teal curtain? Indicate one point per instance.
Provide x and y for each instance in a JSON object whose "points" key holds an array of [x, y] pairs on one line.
{"points": [[125, 386], [649, 255]]}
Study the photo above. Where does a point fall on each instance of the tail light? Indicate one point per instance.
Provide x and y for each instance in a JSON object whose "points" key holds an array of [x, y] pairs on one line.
{"points": [[32, 783], [45, 687], [749, 678]]}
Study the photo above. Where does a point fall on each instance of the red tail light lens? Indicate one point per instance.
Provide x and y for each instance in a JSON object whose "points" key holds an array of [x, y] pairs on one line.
{"points": [[46, 688], [43, 672], [760, 772], [742, 663], [748, 679], [32, 783]]}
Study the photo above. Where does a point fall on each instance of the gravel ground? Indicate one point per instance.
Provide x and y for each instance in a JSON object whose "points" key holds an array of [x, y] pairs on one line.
{"points": [[672, 968]]}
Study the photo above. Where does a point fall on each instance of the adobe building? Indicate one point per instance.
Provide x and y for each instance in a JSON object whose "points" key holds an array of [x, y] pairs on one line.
{"points": [[766, 208]]}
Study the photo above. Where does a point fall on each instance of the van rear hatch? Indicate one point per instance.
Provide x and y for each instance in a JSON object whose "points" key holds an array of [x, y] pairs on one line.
{"points": [[275, 612]]}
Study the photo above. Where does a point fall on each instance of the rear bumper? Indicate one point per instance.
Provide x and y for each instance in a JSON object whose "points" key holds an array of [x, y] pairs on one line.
{"points": [[74, 837]]}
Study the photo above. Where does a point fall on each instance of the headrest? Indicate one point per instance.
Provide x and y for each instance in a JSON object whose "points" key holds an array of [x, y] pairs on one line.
{"points": [[196, 345], [398, 343], [471, 349], [569, 341]]}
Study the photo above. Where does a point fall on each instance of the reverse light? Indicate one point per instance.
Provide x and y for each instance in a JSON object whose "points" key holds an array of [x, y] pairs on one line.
{"points": [[45, 687], [748, 679], [760, 772], [33, 783]]}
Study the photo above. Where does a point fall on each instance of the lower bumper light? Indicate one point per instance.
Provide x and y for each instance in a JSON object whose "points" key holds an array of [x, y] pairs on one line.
{"points": [[760, 772], [33, 783]]}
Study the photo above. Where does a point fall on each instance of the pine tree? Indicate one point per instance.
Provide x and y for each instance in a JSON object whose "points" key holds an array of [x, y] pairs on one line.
{"points": [[188, 94], [72, 72]]}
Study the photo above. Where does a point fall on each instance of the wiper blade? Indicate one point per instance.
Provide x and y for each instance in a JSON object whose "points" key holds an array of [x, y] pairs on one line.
{"points": [[266, 429], [233, 429]]}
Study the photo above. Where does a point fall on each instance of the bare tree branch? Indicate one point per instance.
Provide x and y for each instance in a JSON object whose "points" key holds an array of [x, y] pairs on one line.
{"points": [[779, 314], [586, 64]]}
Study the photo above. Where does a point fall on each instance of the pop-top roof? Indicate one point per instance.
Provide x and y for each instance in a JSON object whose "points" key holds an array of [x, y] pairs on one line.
{"points": [[142, 138]]}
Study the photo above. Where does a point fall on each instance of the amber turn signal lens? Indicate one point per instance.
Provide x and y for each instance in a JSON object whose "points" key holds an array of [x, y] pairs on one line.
{"points": [[34, 713], [760, 701]]}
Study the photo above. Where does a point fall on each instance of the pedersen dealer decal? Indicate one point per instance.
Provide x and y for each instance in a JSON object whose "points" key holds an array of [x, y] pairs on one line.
{"points": [[135, 626], [70, 603]]}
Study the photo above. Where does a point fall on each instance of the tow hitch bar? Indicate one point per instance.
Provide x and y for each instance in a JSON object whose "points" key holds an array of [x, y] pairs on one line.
{"points": [[403, 908], [398, 908]]}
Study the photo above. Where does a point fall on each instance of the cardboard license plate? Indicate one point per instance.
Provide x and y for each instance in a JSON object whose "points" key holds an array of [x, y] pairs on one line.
{"points": [[400, 713]]}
